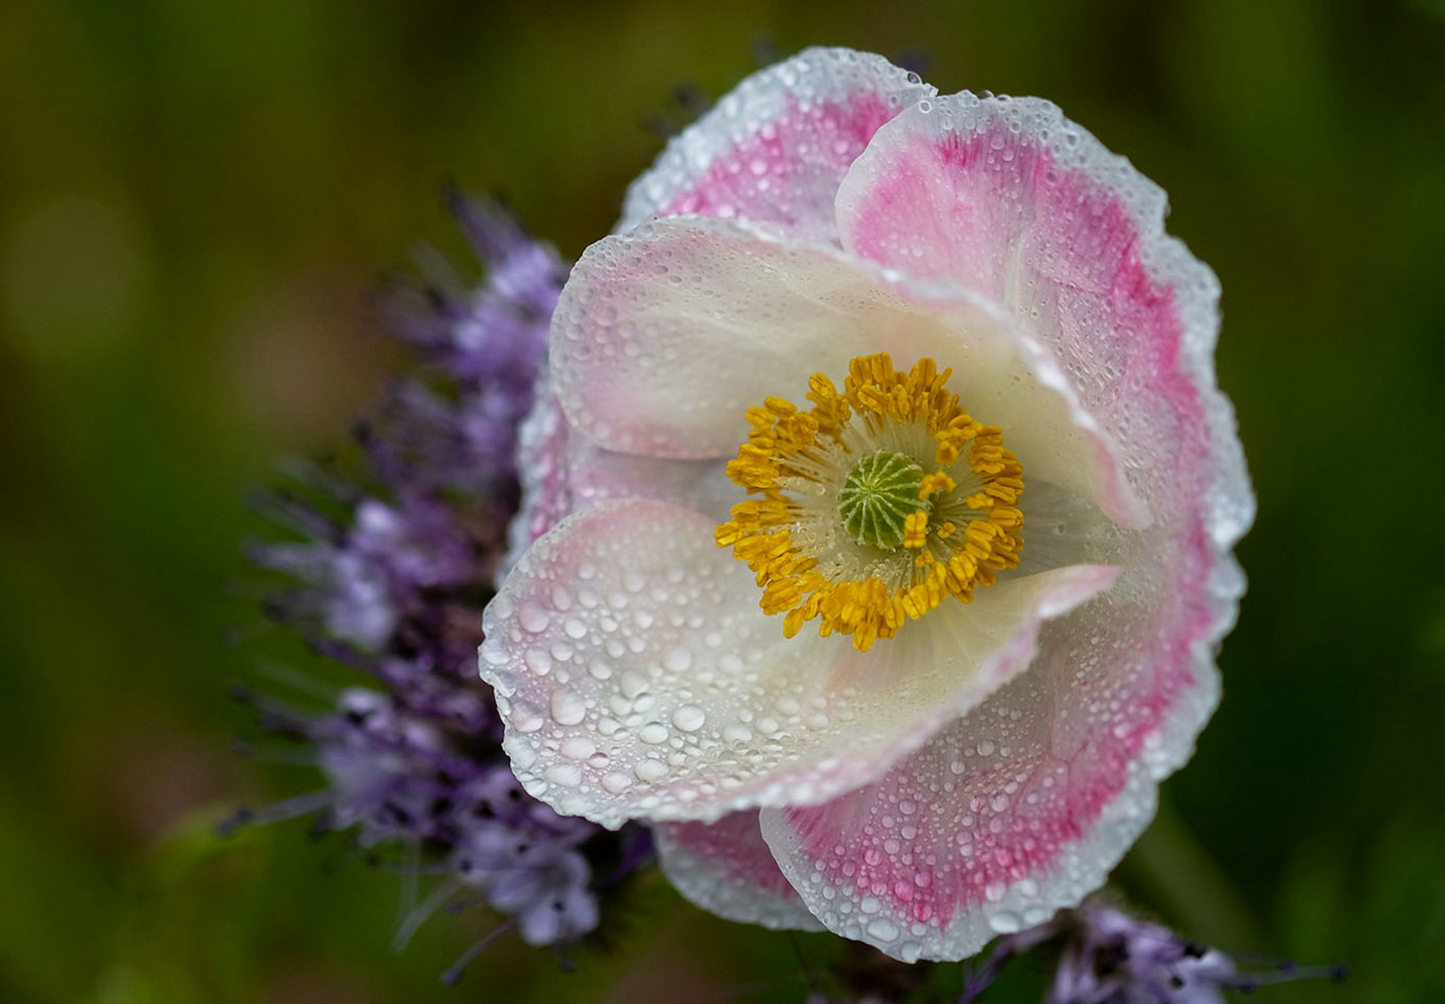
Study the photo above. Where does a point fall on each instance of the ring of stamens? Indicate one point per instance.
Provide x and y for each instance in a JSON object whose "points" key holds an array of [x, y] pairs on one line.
{"points": [[828, 529]]}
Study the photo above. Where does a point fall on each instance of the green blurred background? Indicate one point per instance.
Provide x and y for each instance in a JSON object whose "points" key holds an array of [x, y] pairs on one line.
{"points": [[197, 198]]}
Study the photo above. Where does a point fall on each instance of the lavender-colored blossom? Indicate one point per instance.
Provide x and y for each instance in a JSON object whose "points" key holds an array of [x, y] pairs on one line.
{"points": [[1108, 957], [390, 575], [453, 425], [362, 579]]}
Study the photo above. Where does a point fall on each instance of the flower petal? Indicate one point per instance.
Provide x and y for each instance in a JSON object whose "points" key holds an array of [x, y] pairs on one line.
{"points": [[665, 336], [774, 149], [1024, 805], [725, 867], [639, 679], [1011, 196], [562, 470], [1007, 196]]}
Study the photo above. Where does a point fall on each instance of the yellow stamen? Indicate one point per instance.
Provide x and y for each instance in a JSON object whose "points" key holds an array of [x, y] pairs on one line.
{"points": [[915, 530], [868, 584]]}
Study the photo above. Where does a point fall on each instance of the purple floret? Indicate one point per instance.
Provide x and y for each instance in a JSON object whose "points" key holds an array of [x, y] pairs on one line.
{"points": [[389, 576]]}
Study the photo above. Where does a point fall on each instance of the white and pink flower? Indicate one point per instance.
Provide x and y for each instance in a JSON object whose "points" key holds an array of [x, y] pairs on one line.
{"points": [[975, 734]]}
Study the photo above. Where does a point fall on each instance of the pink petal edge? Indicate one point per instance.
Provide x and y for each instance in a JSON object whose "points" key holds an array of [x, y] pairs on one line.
{"points": [[727, 869], [774, 149], [997, 848]]}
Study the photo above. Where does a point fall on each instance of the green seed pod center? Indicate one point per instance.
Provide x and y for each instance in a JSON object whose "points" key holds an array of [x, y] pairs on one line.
{"points": [[879, 494]]}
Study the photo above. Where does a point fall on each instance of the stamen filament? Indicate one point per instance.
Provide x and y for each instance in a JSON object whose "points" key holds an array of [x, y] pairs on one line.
{"points": [[848, 529]]}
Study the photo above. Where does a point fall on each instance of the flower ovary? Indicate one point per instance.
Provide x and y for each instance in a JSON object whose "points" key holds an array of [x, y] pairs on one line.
{"points": [[881, 492]]}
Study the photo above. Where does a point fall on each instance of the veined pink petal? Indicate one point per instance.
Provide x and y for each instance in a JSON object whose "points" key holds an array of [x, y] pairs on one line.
{"points": [[774, 149], [638, 678], [1024, 805], [725, 867], [1007, 196]]}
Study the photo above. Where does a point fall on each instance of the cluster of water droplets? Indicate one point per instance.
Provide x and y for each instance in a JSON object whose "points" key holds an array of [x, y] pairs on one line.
{"points": [[776, 146]]}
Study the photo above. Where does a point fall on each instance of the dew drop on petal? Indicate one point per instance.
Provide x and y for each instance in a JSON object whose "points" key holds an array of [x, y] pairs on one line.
{"points": [[569, 775], [538, 660], [689, 717], [737, 733], [1006, 922], [568, 708], [616, 784], [651, 770], [882, 929], [534, 618], [577, 748]]}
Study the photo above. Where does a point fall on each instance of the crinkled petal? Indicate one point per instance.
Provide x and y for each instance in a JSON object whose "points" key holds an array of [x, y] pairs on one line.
{"points": [[665, 336], [725, 868], [774, 149], [563, 470], [638, 678]]}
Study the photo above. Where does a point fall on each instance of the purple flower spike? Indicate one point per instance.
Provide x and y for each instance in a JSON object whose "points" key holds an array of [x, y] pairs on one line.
{"points": [[454, 425], [390, 579]]}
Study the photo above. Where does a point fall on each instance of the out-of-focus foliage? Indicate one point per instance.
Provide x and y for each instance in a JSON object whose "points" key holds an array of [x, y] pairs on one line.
{"points": [[196, 203]]}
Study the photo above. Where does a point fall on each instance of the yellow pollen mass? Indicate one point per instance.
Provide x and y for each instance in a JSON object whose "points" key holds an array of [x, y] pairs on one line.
{"points": [[826, 528]]}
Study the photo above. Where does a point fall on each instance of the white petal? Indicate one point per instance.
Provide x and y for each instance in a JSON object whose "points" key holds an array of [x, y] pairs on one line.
{"points": [[665, 336], [1025, 804], [638, 678]]}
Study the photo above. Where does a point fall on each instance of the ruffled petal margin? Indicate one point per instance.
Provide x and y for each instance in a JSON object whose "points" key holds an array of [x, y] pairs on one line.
{"points": [[774, 149]]}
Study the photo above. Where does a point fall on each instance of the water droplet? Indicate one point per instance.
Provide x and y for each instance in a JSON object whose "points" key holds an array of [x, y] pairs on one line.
{"points": [[737, 733], [1006, 922], [689, 717], [651, 770], [569, 775], [534, 617], [568, 708], [654, 733], [525, 718], [882, 929], [578, 748], [538, 661]]}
